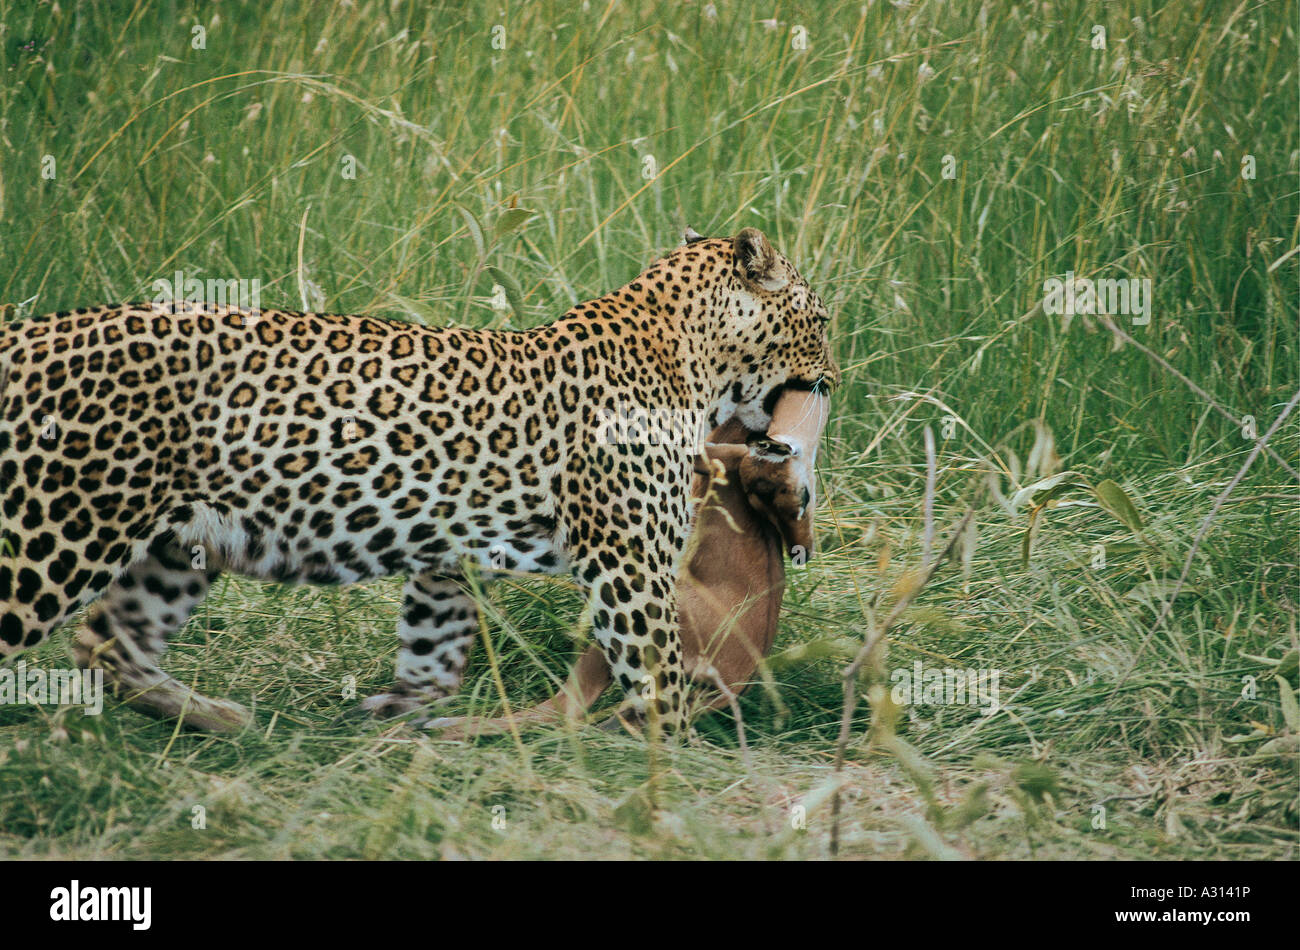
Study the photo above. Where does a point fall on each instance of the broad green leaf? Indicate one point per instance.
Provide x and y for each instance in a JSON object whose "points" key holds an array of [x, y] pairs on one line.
{"points": [[475, 231], [513, 294], [1121, 548], [1244, 737], [1054, 484], [1116, 553], [1290, 710], [1117, 502], [512, 219]]}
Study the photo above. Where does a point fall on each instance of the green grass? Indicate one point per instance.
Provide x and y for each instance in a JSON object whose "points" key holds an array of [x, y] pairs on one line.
{"points": [[1124, 162]]}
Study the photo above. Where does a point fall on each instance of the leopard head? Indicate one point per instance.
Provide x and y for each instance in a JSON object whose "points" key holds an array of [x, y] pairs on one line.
{"points": [[765, 327]]}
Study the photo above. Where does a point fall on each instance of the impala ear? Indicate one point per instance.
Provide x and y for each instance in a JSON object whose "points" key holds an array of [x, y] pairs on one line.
{"points": [[758, 260]]}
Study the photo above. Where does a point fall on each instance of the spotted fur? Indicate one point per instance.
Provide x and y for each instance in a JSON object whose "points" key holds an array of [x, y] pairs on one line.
{"points": [[144, 449]]}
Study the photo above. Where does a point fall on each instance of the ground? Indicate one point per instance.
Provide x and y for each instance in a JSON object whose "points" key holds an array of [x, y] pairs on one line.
{"points": [[928, 167]]}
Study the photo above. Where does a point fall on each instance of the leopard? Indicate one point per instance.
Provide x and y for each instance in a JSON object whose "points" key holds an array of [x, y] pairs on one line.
{"points": [[145, 449]]}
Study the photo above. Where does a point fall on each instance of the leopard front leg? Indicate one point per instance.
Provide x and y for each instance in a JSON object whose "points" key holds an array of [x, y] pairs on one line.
{"points": [[438, 623], [634, 619], [626, 529]]}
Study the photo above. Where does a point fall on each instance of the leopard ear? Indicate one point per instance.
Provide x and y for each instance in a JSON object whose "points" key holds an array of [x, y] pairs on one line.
{"points": [[690, 236], [758, 260]]}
